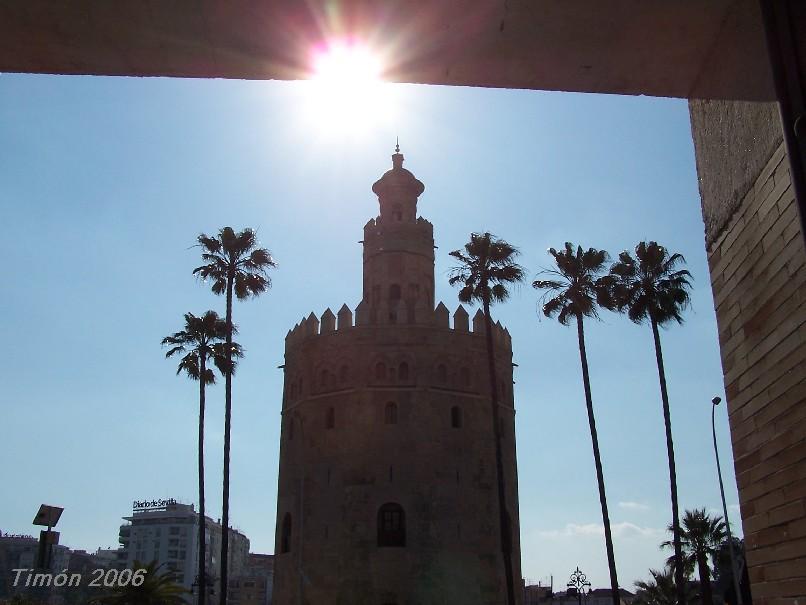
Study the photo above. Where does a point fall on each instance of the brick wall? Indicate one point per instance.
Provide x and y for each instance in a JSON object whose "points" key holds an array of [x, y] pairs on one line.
{"points": [[758, 273]]}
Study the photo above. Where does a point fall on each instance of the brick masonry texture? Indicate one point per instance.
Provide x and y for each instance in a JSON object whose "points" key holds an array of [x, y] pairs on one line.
{"points": [[758, 273]]}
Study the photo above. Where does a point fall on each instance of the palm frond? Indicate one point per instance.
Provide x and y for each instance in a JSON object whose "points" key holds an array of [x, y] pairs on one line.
{"points": [[648, 287], [573, 290], [485, 269]]}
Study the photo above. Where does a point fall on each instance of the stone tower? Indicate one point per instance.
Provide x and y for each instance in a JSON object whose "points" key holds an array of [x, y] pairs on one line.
{"points": [[387, 488]]}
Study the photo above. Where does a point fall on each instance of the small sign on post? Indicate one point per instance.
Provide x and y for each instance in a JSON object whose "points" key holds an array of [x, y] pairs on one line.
{"points": [[48, 515]]}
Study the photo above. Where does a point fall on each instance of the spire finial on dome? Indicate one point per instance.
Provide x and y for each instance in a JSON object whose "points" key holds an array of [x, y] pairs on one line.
{"points": [[397, 158]]}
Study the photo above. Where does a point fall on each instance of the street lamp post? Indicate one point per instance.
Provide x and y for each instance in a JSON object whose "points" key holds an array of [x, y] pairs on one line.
{"points": [[195, 588], [579, 583], [715, 401]]}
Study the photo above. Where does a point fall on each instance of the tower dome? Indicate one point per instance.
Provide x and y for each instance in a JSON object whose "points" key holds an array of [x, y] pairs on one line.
{"points": [[397, 191]]}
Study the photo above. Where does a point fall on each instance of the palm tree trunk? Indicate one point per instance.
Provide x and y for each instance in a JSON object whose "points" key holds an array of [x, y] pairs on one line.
{"points": [[678, 549], [202, 553], [705, 581], [227, 423], [611, 559], [504, 520]]}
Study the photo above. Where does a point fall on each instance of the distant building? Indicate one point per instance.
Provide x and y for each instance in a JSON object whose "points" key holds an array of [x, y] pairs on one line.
{"points": [[597, 596], [167, 532], [20, 552], [82, 561], [536, 594], [254, 586]]}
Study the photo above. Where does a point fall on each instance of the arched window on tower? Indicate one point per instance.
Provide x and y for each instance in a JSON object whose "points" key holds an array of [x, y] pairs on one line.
{"points": [[456, 417], [403, 371], [397, 213], [323, 378], [391, 525], [380, 371], [330, 418], [394, 292], [390, 413], [285, 534]]}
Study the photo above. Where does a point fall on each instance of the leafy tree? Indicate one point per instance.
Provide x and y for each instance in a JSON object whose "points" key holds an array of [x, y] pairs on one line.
{"points": [[650, 288], [157, 588], [486, 267], [202, 340], [701, 536], [236, 266], [570, 293], [659, 590]]}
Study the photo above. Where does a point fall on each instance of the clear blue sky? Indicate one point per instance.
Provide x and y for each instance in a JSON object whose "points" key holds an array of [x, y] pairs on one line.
{"points": [[105, 183]]}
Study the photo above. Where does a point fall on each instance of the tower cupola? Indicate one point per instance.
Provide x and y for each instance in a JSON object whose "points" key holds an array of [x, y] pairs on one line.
{"points": [[397, 191]]}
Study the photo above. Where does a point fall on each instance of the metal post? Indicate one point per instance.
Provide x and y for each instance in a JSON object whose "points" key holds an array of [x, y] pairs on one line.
{"points": [[301, 504], [715, 401]]}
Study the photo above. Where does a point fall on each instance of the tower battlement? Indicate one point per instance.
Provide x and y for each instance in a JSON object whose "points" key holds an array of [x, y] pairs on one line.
{"points": [[439, 318]]}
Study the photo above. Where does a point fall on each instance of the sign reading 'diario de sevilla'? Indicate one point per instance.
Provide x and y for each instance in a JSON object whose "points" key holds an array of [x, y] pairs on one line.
{"points": [[149, 504]]}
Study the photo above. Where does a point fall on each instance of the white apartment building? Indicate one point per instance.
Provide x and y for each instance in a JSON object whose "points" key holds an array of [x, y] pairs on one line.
{"points": [[167, 532]]}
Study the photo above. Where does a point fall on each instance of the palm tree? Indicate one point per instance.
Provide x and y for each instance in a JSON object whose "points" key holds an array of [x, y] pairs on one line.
{"points": [[201, 340], [156, 589], [650, 287], [570, 292], [660, 590], [236, 266], [485, 269], [701, 536]]}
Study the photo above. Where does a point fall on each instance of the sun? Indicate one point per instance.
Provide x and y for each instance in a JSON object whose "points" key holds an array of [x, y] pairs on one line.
{"points": [[347, 93]]}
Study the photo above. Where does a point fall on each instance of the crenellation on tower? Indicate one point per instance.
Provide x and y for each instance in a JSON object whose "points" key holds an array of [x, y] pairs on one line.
{"points": [[387, 457], [311, 325], [442, 316], [345, 317], [328, 322], [478, 322], [461, 319]]}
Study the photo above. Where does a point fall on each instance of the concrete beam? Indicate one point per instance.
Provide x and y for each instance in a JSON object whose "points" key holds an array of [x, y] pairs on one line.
{"points": [[685, 48]]}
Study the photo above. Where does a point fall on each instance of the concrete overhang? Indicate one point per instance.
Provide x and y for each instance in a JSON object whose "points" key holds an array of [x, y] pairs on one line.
{"points": [[673, 48]]}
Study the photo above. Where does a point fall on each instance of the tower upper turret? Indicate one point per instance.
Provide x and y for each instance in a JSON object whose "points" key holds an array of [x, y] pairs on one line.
{"points": [[398, 251]]}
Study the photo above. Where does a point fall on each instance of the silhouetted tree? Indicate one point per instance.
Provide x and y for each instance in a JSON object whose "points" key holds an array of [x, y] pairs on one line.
{"points": [[650, 288], [236, 266], [203, 339], [723, 572], [485, 269], [570, 294], [157, 588], [701, 536], [660, 590]]}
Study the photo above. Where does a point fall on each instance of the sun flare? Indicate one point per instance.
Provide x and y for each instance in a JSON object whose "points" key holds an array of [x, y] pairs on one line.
{"points": [[348, 95]]}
